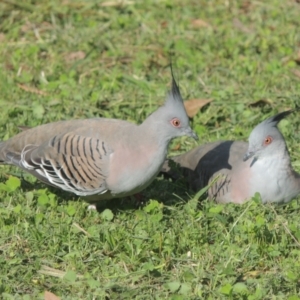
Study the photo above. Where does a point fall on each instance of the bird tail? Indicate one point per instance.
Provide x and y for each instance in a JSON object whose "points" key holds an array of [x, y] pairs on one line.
{"points": [[2, 155]]}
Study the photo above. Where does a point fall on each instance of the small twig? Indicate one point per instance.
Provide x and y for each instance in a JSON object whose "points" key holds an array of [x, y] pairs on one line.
{"points": [[286, 228], [54, 272], [125, 267], [20, 4], [240, 216], [31, 89], [81, 229]]}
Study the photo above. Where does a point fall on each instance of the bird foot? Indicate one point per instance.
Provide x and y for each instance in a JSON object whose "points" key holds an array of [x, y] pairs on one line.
{"points": [[92, 207], [139, 199]]}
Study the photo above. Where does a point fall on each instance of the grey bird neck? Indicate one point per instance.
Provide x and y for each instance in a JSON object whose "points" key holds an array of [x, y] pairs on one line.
{"points": [[155, 127]]}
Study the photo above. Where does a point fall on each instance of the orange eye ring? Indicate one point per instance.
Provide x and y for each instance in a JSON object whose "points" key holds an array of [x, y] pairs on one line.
{"points": [[175, 122], [268, 140]]}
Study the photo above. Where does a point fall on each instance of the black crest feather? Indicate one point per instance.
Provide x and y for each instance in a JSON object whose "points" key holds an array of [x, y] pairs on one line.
{"points": [[277, 118]]}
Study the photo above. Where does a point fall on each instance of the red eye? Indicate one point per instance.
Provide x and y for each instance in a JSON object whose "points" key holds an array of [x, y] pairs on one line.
{"points": [[268, 140], [175, 122]]}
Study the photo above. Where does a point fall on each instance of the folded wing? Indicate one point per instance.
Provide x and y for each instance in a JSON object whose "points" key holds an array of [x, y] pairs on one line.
{"points": [[71, 162]]}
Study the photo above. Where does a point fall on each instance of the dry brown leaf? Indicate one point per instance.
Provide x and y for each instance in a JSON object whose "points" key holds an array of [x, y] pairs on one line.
{"points": [[116, 3], [164, 24], [26, 27], [297, 58], [240, 26], [50, 296], [261, 102], [176, 147], [2, 37], [198, 23], [194, 105], [296, 73], [31, 89], [45, 25], [252, 274], [246, 6], [73, 56]]}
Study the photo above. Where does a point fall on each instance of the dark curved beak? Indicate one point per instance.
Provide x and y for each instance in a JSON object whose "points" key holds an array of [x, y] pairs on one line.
{"points": [[193, 135], [248, 155]]}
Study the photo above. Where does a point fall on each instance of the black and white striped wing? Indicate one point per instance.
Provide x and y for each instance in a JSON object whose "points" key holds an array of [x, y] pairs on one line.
{"points": [[71, 162]]}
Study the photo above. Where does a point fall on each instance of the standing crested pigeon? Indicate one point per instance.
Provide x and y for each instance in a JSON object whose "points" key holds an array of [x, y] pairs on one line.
{"points": [[237, 170], [100, 158]]}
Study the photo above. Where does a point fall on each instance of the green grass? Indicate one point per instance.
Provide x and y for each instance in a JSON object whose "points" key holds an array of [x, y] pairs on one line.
{"points": [[82, 59]]}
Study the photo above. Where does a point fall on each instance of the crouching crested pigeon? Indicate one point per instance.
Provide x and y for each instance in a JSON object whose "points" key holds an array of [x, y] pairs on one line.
{"points": [[100, 158], [237, 170]]}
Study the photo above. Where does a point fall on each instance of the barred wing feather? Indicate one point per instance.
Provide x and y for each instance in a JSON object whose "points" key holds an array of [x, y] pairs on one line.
{"points": [[72, 162]]}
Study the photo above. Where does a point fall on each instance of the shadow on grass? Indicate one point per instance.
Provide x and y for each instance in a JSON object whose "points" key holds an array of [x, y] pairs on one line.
{"points": [[162, 190]]}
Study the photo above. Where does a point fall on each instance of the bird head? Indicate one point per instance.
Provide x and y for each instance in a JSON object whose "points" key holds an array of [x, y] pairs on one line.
{"points": [[266, 139]]}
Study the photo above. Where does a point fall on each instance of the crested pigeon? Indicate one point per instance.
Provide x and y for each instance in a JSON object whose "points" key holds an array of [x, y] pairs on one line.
{"points": [[237, 170], [100, 158]]}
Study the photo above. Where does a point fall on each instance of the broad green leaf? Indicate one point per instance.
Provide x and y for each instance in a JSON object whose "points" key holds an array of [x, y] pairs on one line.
{"points": [[38, 111], [39, 217], [29, 196], [70, 276], [240, 288], [43, 200], [185, 289], [13, 183], [148, 266], [173, 286], [153, 204], [216, 209], [292, 276], [107, 215], [226, 289], [17, 209], [71, 210]]}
